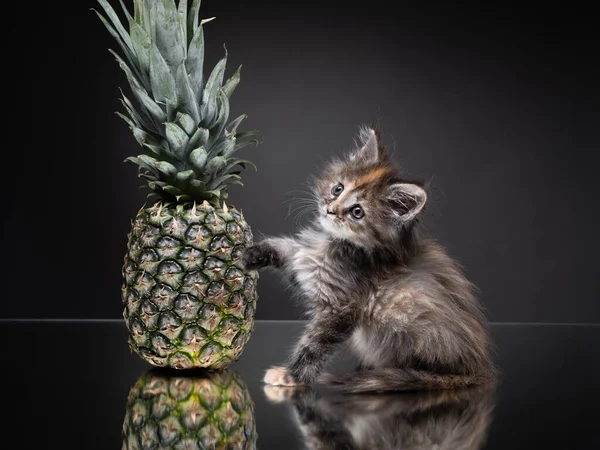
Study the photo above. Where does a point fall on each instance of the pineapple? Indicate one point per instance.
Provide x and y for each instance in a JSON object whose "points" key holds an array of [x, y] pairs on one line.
{"points": [[187, 300], [212, 410]]}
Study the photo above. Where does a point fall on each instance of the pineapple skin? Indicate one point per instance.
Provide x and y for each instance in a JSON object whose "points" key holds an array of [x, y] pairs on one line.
{"points": [[187, 300], [209, 410]]}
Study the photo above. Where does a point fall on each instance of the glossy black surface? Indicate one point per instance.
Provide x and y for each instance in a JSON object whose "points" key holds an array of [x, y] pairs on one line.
{"points": [[65, 385]]}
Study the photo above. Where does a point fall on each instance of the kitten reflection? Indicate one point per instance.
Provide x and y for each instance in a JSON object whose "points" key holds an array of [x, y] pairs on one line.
{"points": [[170, 410], [450, 419]]}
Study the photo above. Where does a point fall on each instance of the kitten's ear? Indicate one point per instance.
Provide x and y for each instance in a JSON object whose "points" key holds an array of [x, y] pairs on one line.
{"points": [[407, 200], [371, 148]]}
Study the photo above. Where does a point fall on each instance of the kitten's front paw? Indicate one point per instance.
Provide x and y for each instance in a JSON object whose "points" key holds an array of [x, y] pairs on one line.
{"points": [[280, 376], [281, 394], [258, 256]]}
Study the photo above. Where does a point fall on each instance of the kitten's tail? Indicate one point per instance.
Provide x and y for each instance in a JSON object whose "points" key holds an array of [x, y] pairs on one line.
{"points": [[399, 380]]}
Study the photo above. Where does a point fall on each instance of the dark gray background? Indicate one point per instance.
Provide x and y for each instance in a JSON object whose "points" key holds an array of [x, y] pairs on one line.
{"points": [[499, 109]]}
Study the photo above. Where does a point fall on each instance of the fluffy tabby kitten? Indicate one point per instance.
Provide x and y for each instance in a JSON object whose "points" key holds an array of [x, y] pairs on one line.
{"points": [[367, 276], [457, 419]]}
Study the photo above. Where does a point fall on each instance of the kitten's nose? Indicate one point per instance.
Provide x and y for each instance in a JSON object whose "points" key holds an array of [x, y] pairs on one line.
{"points": [[331, 210]]}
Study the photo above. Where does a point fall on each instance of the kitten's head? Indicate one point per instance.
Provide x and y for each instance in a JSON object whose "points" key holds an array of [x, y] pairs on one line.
{"points": [[363, 198]]}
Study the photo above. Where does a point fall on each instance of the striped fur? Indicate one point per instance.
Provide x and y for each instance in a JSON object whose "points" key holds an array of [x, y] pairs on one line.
{"points": [[369, 279]]}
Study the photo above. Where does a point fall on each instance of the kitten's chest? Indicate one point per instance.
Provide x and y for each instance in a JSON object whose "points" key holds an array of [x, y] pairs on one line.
{"points": [[317, 273], [326, 274], [311, 265]]}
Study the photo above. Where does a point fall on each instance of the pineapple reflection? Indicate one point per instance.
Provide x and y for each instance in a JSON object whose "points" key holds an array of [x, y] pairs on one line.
{"points": [[203, 410], [444, 420]]}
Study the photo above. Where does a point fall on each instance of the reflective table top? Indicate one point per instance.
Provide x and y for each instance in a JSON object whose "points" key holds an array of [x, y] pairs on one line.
{"points": [[75, 384]]}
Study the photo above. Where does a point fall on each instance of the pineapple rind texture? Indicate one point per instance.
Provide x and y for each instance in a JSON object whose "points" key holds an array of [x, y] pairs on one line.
{"points": [[187, 300], [209, 410]]}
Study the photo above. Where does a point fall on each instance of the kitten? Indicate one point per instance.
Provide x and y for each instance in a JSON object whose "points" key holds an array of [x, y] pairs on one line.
{"points": [[448, 419], [367, 277]]}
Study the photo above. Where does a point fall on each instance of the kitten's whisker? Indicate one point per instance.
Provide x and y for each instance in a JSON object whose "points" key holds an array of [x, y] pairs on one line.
{"points": [[293, 205], [298, 191], [300, 204], [301, 212], [297, 203], [296, 199], [299, 208]]}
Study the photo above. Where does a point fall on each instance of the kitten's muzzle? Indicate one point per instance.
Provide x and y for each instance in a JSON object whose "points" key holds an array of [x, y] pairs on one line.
{"points": [[334, 213]]}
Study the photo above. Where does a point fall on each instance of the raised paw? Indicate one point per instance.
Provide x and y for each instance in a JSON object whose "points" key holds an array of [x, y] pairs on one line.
{"points": [[258, 256], [280, 376]]}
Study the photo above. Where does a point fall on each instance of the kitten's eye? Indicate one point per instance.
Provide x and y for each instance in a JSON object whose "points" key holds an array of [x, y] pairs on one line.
{"points": [[357, 212], [337, 189]]}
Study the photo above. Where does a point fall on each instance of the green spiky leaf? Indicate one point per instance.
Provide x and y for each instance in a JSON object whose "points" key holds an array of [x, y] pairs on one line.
{"points": [[223, 147], [137, 11], [151, 163], [210, 95], [215, 80], [198, 158], [223, 106], [116, 22], [126, 11], [185, 176], [163, 83], [155, 111], [145, 162], [147, 16], [214, 165], [169, 41], [142, 44], [198, 190], [146, 139], [140, 118], [178, 139], [157, 185], [241, 144], [235, 123], [193, 17], [223, 180], [167, 168], [174, 191], [199, 138], [133, 78], [183, 179], [208, 110], [232, 83], [187, 123], [195, 62], [185, 93], [157, 150], [236, 162], [246, 134], [182, 11], [130, 122]]}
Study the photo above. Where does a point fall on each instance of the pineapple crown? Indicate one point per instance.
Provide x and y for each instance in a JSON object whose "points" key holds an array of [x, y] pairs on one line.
{"points": [[181, 118]]}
